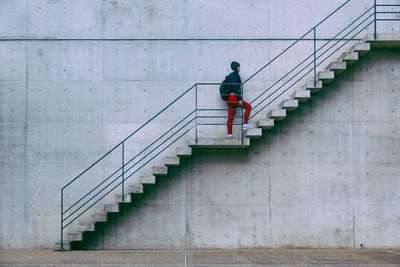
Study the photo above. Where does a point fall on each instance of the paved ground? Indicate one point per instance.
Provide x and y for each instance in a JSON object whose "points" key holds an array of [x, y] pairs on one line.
{"points": [[200, 258]]}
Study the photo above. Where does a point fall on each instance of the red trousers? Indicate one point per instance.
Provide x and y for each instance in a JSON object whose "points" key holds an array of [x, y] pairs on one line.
{"points": [[233, 103]]}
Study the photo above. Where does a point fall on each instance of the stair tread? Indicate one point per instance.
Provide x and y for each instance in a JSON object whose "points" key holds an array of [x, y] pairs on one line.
{"points": [[277, 114], [220, 143], [290, 104], [171, 161], [184, 151], [302, 95], [253, 132], [160, 170], [266, 124], [388, 40], [135, 189], [148, 179]]}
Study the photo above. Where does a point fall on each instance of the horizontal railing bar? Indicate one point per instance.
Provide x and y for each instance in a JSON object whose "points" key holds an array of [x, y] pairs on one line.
{"points": [[126, 178], [218, 117], [125, 172], [387, 12], [392, 5], [105, 180], [218, 83], [218, 124], [214, 109], [387, 19], [5, 39]]}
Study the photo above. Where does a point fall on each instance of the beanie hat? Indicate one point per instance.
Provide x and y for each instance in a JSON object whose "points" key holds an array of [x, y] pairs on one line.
{"points": [[235, 65]]}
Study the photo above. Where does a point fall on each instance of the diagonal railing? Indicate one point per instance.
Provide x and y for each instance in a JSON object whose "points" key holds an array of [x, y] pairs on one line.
{"points": [[95, 183]]}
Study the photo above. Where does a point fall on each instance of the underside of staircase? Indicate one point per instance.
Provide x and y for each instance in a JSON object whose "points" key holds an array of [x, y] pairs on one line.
{"points": [[267, 122]]}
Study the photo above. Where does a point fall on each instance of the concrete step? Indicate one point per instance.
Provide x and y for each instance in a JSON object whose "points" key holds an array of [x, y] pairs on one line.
{"points": [[277, 114], [220, 143], [66, 245], [127, 198], [253, 133], [349, 57], [148, 179], [386, 40], [313, 88], [101, 217], [86, 227], [338, 67], [265, 124], [135, 189], [111, 208], [160, 170], [171, 161], [75, 236], [290, 104], [361, 48], [326, 76], [301, 95], [184, 152]]}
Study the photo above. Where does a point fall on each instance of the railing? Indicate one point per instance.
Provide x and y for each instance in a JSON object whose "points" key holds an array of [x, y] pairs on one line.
{"points": [[86, 190]]}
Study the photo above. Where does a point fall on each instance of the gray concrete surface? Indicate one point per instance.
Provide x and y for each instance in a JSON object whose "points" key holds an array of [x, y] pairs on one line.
{"points": [[249, 257], [288, 189], [64, 103]]}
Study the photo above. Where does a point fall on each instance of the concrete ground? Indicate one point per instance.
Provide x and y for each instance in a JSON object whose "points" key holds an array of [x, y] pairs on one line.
{"points": [[254, 257]]}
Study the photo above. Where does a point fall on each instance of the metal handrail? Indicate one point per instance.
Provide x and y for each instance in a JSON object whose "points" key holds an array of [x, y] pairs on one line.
{"points": [[313, 62], [87, 201], [298, 40], [271, 101], [137, 155], [142, 162]]}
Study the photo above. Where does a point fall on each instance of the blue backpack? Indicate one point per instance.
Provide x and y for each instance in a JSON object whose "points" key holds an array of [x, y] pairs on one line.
{"points": [[225, 88]]}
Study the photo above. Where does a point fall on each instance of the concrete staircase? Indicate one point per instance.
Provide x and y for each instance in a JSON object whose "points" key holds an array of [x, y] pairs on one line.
{"points": [[333, 70]]}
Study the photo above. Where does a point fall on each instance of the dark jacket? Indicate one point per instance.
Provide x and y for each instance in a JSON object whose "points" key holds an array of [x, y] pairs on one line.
{"points": [[235, 87]]}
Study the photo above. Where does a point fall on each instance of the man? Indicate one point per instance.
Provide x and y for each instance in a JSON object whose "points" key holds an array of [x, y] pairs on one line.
{"points": [[235, 98]]}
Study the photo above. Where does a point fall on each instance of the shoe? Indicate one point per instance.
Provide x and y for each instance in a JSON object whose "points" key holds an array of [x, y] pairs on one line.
{"points": [[230, 136], [246, 126]]}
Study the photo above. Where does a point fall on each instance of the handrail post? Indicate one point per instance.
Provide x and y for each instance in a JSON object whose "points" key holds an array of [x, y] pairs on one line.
{"points": [[374, 19], [123, 171], [62, 220], [196, 115], [241, 92], [315, 57]]}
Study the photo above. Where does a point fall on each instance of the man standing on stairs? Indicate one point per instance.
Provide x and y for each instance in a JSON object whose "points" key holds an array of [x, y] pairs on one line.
{"points": [[235, 98]]}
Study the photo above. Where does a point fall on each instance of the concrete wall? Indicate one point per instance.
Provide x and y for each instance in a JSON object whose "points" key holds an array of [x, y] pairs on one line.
{"points": [[327, 177], [76, 77]]}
